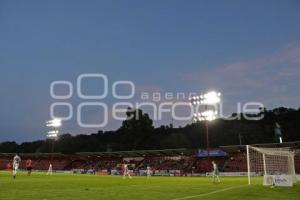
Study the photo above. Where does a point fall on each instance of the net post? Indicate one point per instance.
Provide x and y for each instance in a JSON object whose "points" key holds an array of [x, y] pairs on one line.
{"points": [[248, 164], [293, 171], [264, 162]]}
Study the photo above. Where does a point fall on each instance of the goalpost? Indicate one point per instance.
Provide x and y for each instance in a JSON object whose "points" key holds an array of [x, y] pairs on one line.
{"points": [[276, 165]]}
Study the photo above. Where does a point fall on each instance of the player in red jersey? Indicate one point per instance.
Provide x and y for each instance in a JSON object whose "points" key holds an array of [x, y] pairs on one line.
{"points": [[8, 166], [29, 166]]}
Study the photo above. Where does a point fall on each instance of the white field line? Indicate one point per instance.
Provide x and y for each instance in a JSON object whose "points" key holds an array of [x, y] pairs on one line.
{"points": [[209, 193]]}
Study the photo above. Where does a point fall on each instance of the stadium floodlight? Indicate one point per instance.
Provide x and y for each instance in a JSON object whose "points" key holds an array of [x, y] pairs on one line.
{"points": [[54, 123], [211, 98], [52, 134], [208, 99], [207, 115]]}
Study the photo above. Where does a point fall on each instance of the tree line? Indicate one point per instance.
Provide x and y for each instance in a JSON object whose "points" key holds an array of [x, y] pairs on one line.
{"points": [[138, 133]]}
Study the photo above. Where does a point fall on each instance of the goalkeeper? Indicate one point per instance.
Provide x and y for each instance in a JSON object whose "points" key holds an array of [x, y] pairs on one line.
{"points": [[215, 172]]}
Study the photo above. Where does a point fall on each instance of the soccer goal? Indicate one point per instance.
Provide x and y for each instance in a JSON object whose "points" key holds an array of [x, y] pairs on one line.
{"points": [[276, 165]]}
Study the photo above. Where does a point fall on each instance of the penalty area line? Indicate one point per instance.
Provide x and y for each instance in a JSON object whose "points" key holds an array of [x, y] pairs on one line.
{"points": [[209, 193]]}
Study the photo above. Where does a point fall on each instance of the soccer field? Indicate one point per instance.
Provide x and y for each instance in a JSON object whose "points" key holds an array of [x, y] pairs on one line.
{"points": [[78, 187]]}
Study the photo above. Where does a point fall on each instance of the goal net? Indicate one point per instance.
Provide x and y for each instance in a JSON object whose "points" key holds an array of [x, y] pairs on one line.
{"points": [[276, 165]]}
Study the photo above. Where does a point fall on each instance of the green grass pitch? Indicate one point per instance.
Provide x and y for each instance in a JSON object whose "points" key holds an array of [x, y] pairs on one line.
{"points": [[77, 187]]}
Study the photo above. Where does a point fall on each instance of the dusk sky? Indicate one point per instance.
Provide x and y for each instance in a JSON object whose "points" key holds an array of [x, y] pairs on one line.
{"points": [[248, 50]]}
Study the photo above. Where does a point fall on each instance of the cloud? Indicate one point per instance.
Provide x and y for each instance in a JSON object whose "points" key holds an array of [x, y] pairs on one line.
{"points": [[148, 88], [268, 77], [290, 53]]}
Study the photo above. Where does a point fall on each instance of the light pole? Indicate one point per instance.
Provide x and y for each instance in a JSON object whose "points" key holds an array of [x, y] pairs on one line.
{"points": [[240, 139], [277, 131], [53, 133], [209, 100]]}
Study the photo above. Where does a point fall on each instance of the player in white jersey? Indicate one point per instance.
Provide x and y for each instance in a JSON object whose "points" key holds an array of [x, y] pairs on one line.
{"points": [[215, 172], [49, 169], [126, 171], [16, 164], [148, 171]]}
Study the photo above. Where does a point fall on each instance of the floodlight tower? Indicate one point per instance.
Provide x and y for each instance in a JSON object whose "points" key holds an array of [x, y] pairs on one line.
{"points": [[211, 98], [53, 133]]}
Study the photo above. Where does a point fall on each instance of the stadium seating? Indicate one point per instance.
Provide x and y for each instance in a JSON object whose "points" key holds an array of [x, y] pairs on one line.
{"points": [[187, 164], [237, 162]]}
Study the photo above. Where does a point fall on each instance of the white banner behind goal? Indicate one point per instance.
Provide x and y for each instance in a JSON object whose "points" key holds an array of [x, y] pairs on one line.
{"points": [[276, 165]]}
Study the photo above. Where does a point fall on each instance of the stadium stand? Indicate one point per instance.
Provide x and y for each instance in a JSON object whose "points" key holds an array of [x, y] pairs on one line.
{"points": [[169, 161]]}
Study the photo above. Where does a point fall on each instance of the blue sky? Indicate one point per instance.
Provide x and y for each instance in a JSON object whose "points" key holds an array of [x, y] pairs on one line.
{"points": [[249, 50]]}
